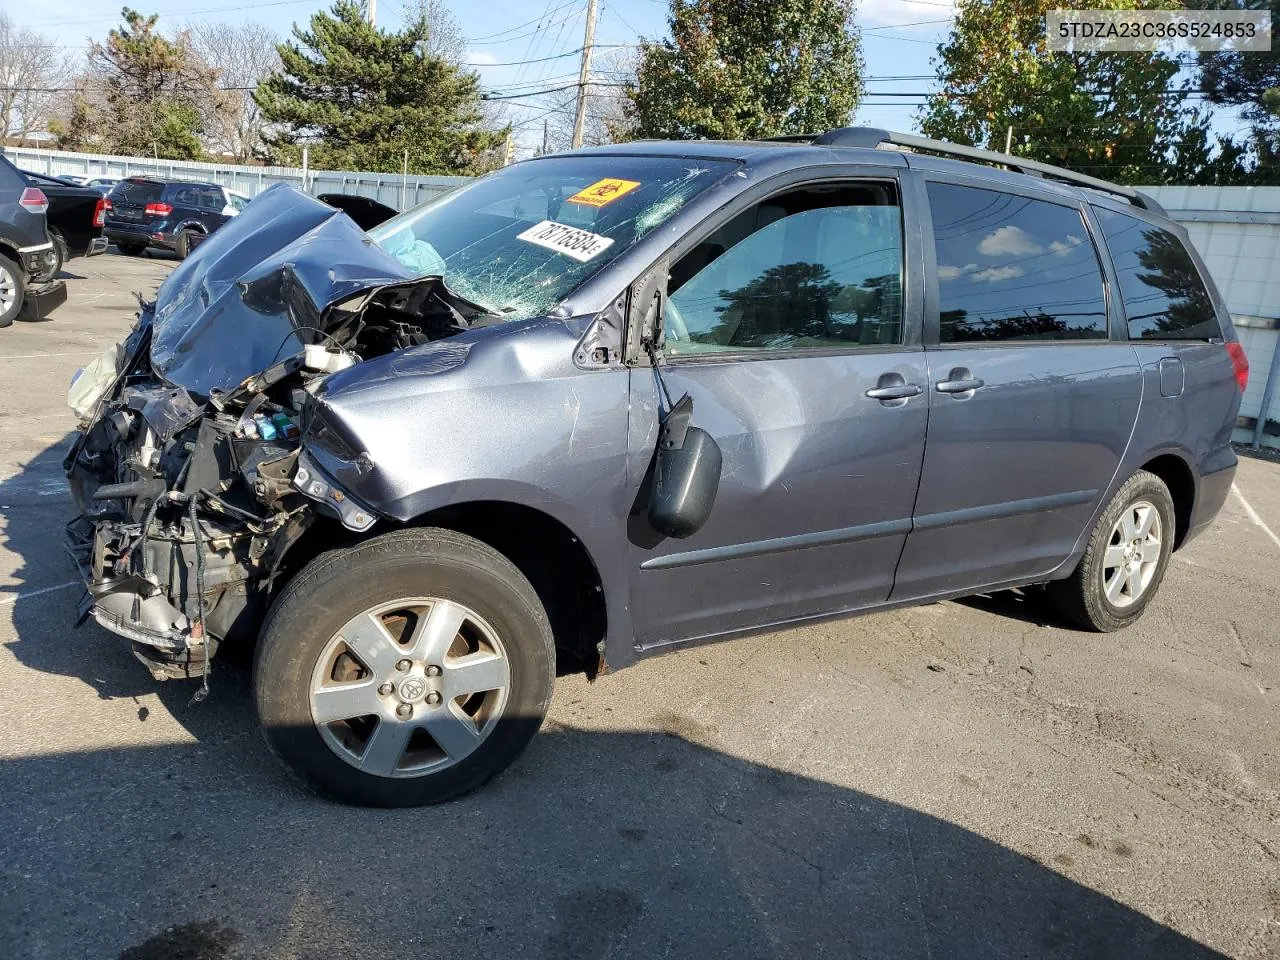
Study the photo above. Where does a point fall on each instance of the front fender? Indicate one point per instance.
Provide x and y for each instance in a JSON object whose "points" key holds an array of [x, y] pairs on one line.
{"points": [[494, 415]]}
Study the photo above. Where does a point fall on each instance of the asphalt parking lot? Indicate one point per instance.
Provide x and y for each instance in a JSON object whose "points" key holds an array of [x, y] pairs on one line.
{"points": [[959, 780]]}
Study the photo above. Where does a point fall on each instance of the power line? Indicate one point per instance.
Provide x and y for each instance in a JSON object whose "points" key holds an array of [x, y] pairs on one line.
{"points": [[558, 56], [571, 15], [518, 26]]}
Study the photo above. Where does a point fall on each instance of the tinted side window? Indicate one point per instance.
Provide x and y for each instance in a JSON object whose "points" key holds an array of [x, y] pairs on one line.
{"points": [[185, 197], [1164, 296], [811, 269], [1013, 268]]}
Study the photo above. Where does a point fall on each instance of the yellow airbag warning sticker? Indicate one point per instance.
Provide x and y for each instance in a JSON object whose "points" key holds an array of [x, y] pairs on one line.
{"points": [[603, 191]]}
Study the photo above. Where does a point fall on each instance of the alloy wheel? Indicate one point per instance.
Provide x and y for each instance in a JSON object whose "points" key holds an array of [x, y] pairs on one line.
{"points": [[411, 687], [1133, 554], [8, 289]]}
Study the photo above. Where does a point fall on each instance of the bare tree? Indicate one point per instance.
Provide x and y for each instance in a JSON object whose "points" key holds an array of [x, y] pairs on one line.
{"points": [[445, 38], [32, 72], [243, 55], [606, 117]]}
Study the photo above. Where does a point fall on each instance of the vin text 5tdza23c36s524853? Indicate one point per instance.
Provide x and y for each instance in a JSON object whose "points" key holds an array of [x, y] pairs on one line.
{"points": [[598, 405]]}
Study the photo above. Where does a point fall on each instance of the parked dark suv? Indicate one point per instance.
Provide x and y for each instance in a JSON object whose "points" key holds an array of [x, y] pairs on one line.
{"points": [[166, 214], [603, 404], [28, 256]]}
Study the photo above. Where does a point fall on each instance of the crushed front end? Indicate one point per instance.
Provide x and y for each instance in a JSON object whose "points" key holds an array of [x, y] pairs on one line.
{"points": [[189, 469], [186, 510]]}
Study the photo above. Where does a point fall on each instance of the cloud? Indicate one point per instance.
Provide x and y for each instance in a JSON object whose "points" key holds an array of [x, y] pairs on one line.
{"points": [[1060, 248], [480, 58], [996, 274], [1009, 241], [950, 273]]}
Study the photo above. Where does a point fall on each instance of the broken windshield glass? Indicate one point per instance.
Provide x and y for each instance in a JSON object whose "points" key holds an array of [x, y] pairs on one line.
{"points": [[519, 240]]}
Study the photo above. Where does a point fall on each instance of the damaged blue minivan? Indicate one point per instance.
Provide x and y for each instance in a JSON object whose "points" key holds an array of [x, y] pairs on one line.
{"points": [[599, 405]]}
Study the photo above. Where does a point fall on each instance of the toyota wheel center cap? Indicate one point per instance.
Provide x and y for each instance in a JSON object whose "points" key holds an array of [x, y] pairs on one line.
{"points": [[413, 689]]}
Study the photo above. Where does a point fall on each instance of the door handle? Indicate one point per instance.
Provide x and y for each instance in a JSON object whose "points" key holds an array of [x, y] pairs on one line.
{"points": [[899, 391], [892, 390], [959, 381]]}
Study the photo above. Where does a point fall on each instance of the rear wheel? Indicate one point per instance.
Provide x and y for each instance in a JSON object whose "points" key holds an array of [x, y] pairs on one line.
{"points": [[13, 288], [1125, 560], [130, 249], [60, 249], [183, 244], [406, 670]]}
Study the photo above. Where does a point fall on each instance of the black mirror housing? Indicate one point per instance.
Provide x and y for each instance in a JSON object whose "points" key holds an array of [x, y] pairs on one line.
{"points": [[686, 474]]}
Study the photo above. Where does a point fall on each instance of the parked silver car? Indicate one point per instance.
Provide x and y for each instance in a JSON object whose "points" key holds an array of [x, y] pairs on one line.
{"points": [[599, 405]]}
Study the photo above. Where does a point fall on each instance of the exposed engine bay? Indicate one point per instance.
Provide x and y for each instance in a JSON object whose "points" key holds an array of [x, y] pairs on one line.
{"points": [[191, 475]]}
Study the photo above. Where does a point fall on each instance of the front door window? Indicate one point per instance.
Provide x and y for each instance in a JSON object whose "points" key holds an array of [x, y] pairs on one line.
{"points": [[813, 269]]}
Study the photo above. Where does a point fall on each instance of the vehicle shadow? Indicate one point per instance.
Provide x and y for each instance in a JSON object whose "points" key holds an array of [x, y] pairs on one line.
{"points": [[1028, 604], [597, 843]]}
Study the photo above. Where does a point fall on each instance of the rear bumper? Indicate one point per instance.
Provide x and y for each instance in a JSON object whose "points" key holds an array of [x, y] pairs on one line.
{"points": [[43, 300], [96, 246], [117, 233], [1215, 487]]}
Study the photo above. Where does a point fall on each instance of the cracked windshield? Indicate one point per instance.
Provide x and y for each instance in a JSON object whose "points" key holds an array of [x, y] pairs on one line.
{"points": [[518, 241]]}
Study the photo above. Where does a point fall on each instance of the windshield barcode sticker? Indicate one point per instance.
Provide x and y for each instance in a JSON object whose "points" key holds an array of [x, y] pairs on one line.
{"points": [[581, 245]]}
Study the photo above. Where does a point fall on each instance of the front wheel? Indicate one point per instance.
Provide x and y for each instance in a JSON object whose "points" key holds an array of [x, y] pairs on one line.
{"points": [[406, 670], [1125, 560]]}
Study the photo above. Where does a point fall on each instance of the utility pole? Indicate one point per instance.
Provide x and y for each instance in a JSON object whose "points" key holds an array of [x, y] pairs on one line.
{"points": [[584, 75], [1008, 140], [546, 143], [373, 12]]}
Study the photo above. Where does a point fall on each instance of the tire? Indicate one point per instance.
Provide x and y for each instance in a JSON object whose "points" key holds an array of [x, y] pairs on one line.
{"points": [[182, 247], [13, 289], [60, 246], [130, 249], [1083, 597], [304, 658]]}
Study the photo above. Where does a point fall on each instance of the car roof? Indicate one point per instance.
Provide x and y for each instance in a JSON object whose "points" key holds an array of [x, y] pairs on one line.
{"points": [[866, 145], [167, 182]]}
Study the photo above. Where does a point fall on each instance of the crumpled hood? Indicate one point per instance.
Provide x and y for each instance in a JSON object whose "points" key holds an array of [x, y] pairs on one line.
{"points": [[235, 306]]}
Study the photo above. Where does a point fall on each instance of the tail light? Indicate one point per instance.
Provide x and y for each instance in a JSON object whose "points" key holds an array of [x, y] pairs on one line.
{"points": [[34, 200], [100, 212], [1239, 363], [158, 209], [107, 206]]}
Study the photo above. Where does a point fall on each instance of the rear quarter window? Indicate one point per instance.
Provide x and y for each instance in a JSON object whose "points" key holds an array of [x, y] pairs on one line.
{"points": [[1163, 293]]}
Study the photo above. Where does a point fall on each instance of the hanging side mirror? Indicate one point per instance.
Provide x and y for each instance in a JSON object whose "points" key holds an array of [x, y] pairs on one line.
{"points": [[686, 474]]}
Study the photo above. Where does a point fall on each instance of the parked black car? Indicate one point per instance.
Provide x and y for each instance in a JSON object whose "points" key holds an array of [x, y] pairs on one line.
{"points": [[28, 259], [165, 214], [76, 217]]}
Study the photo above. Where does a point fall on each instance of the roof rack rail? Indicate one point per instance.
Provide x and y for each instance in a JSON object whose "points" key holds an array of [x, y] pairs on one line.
{"points": [[873, 137]]}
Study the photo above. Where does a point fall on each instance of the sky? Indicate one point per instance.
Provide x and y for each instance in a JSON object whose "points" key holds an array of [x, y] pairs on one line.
{"points": [[898, 39]]}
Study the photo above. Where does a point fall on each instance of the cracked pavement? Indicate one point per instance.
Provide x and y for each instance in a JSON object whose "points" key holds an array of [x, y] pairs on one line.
{"points": [[965, 779]]}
